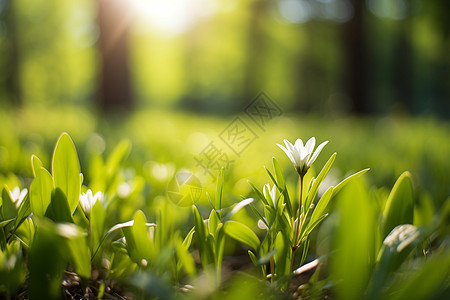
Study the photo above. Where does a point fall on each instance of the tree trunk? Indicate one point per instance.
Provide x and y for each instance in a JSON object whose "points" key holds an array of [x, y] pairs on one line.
{"points": [[114, 18], [355, 49], [253, 69]]}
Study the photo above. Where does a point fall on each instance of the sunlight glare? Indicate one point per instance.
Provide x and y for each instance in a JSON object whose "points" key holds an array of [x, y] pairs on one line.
{"points": [[173, 16]]}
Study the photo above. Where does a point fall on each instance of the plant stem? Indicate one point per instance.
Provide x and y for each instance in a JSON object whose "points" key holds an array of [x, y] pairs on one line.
{"points": [[297, 228], [299, 212]]}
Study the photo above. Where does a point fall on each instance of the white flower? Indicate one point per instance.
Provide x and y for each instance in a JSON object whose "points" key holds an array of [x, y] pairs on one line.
{"points": [[88, 200], [302, 156], [270, 193], [18, 195]]}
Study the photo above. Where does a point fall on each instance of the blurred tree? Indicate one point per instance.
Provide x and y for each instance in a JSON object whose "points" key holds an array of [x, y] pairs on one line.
{"points": [[114, 18], [355, 60], [10, 79], [256, 39]]}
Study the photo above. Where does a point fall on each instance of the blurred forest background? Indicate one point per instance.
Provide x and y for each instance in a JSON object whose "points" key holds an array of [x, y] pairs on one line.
{"points": [[330, 57]]}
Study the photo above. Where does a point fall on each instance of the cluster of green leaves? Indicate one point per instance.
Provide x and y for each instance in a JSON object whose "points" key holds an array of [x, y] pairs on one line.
{"points": [[288, 224], [382, 252], [59, 235], [379, 245]]}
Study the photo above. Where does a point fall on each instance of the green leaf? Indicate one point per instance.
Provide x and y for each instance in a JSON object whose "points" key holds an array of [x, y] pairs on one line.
{"points": [[315, 186], [9, 210], [397, 246], [116, 227], [282, 183], [5, 223], [219, 190], [304, 233], [203, 239], [59, 210], [213, 222], [66, 170], [25, 232], [253, 258], [47, 260], [241, 233], [341, 184], [429, 280], [283, 255], [258, 214], [260, 195], [353, 241], [185, 259], [321, 205], [36, 164], [200, 227], [280, 188], [78, 248], [139, 245], [97, 222], [41, 192], [278, 173], [399, 207], [24, 211], [220, 244], [188, 239]]}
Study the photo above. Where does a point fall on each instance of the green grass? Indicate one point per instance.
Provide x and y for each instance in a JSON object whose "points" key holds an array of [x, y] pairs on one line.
{"points": [[133, 160]]}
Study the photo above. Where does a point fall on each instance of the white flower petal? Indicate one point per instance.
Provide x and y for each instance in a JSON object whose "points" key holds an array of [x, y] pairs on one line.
{"points": [[266, 187], [288, 153], [310, 145], [316, 153], [273, 195], [299, 144], [289, 145]]}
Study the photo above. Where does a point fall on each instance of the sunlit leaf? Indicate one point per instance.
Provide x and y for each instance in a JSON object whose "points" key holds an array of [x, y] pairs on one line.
{"points": [[219, 190], [220, 244], [242, 233], [186, 259], [203, 238], [281, 183], [321, 205], [213, 222], [66, 170], [341, 184], [41, 192], [188, 239], [399, 207], [139, 245], [36, 164], [260, 195], [315, 186]]}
